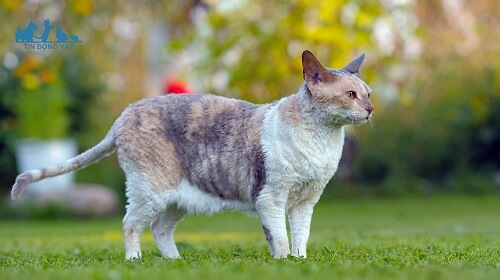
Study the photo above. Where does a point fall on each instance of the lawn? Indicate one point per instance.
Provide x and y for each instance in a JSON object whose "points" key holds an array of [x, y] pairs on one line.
{"points": [[425, 238]]}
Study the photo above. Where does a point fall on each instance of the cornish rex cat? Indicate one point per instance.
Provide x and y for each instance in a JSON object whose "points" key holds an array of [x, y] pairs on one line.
{"points": [[185, 154]]}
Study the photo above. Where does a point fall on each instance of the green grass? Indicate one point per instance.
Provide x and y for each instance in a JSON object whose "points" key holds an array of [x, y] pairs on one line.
{"points": [[433, 238]]}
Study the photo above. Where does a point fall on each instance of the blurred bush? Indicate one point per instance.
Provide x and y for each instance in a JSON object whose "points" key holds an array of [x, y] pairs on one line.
{"points": [[438, 126], [77, 112], [252, 50], [437, 131], [38, 101], [445, 139]]}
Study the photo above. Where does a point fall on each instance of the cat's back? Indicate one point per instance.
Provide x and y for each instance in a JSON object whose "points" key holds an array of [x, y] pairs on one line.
{"points": [[188, 114]]}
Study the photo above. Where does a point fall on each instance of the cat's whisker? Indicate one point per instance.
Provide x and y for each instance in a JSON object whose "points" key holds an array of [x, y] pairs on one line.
{"points": [[352, 129], [371, 124]]}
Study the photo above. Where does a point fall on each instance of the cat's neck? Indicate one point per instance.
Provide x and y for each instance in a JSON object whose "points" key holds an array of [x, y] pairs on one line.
{"points": [[300, 109]]}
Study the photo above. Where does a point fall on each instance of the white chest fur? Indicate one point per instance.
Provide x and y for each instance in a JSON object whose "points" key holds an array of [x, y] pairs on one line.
{"points": [[299, 156]]}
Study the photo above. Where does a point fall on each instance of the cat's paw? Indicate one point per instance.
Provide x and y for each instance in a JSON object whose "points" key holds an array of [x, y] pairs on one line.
{"points": [[299, 254], [283, 255], [172, 256], [133, 256]]}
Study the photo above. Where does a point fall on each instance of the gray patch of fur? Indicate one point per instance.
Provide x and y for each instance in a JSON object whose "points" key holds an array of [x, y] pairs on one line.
{"points": [[269, 237], [220, 143]]}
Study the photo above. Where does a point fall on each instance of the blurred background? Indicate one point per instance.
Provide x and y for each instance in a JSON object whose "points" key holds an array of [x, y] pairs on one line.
{"points": [[433, 66]]}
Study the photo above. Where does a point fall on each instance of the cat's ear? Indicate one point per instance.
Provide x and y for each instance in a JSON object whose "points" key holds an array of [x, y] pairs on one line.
{"points": [[353, 66], [312, 69]]}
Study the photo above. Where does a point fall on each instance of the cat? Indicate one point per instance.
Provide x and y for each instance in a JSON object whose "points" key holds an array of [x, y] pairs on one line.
{"points": [[46, 31], [61, 36], [26, 35], [200, 153], [75, 38]]}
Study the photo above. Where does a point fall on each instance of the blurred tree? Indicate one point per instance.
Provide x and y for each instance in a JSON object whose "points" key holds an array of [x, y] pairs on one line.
{"points": [[443, 131], [252, 49], [231, 43], [433, 66]]}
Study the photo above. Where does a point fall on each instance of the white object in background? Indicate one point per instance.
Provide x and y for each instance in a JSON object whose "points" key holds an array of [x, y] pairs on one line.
{"points": [[36, 154]]}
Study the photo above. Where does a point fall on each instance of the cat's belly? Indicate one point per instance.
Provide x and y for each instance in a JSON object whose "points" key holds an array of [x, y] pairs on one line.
{"points": [[196, 201]]}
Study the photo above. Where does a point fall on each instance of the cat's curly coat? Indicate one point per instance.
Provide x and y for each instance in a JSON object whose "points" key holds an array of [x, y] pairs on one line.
{"points": [[200, 153]]}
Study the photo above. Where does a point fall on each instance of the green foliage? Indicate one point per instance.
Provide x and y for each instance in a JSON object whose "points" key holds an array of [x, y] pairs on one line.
{"points": [[84, 88], [441, 132], [34, 99], [45, 98], [257, 45], [33, 210], [443, 125], [41, 112], [438, 238], [448, 136]]}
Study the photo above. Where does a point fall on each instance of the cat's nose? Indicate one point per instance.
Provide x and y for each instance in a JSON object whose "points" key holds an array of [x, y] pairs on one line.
{"points": [[369, 108]]}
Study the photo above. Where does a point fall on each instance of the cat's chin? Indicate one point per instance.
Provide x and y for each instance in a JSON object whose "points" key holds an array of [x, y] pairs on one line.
{"points": [[357, 121], [347, 121], [361, 123]]}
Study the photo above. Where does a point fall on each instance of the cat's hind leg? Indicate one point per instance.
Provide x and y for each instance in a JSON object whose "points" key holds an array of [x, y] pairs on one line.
{"points": [[132, 229], [144, 206], [163, 231]]}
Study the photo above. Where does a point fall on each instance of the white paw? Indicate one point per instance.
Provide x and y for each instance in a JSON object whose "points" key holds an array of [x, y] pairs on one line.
{"points": [[132, 256]]}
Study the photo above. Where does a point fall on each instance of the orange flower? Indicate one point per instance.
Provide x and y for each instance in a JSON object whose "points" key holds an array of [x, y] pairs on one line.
{"points": [[47, 76], [30, 62], [21, 70]]}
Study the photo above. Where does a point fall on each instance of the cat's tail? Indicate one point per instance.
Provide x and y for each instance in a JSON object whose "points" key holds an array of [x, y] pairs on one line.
{"points": [[103, 149]]}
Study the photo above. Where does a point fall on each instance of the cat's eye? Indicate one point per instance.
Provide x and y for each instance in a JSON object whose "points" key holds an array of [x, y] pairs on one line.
{"points": [[369, 95], [351, 94]]}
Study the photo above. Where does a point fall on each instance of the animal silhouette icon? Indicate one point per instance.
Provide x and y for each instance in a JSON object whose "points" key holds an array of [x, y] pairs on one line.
{"points": [[75, 38], [46, 31], [61, 36], [26, 35]]}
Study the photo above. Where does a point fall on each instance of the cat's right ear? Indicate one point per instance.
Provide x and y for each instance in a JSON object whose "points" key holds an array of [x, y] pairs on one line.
{"points": [[312, 69]]}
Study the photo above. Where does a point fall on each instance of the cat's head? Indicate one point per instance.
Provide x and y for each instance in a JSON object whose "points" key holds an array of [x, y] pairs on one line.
{"points": [[341, 95]]}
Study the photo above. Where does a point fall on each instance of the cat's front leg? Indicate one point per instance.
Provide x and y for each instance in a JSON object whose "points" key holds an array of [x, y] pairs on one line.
{"points": [[271, 210], [300, 224], [299, 216]]}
